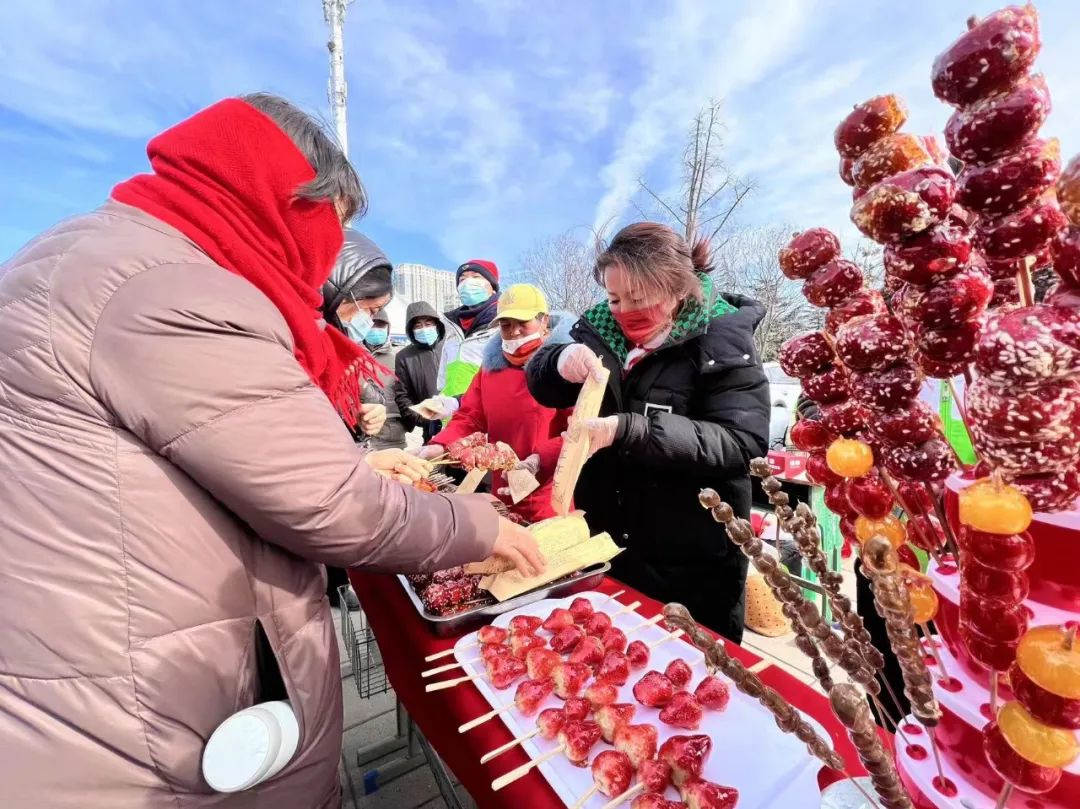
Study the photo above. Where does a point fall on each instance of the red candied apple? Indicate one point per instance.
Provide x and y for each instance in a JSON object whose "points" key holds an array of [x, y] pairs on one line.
{"points": [[846, 166], [834, 283], [1024, 346], [999, 123], [1013, 181], [612, 772], [550, 721], [597, 624], [891, 389], [869, 497], [686, 755], [990, 583], [925, 532], [1052, 492], [559, 620], [818, 471], [997, 620], [614, 640], [589, 651], [525, 623], [566, 639], [991, 55], [492, 634], [914, 498], [541, 662], [614, 668], [612, 717], [655, 800], [505, 671], [1006, 293], [863, 302], [913, 424], [578, 738], [955, 344], [522, 642], [867, 123], [988, 653], [530, 695], [1043, 413], [871, 343], [889, 156], [712, 693], [581, 608], [1006, 268], [1030, 457], [805, 354], [1068, 191], [907, 556], [576, 708], [931, 461], [654, 690], [828, 386], [836, 499], [684, 711], [1066, 252], [845, 418], [1013, 767], [1000, 551], [807, 251], [810, 435], [1027, 232], [600, 694], [637, 652], [638, 742], [928, 257], [570, 679], [905, 204], [962, 297], [938, 370], [700, 794], [847, 530], [679, 672], [1047, 707]]}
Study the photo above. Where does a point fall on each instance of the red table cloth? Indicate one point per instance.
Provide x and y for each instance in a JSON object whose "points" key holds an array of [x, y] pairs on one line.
{"points": [[405, 640]]}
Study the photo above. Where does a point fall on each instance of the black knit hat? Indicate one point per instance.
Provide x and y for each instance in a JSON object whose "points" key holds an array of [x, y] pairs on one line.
{"points": [[482, 267]]}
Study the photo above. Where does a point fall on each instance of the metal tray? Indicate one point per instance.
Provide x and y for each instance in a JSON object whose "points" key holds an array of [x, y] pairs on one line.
{"points": [[459, 623]]}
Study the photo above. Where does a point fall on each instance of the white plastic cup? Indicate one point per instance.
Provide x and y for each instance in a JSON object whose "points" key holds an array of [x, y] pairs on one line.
{"points": [[250, 747]]}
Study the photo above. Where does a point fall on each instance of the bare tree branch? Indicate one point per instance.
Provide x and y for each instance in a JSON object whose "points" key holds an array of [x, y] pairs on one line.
{"points": [[657, 197], [562, 267]]}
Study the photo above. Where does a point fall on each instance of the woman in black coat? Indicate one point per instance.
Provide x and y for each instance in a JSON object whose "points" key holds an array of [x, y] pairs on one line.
{"points": [[687, 406]]}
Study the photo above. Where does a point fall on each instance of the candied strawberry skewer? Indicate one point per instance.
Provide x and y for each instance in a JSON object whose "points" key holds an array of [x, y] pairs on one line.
{"points": [[612, 773], [576, 739], [503, 671], [653, 774], [548, 724], [528, 698], [486, 634]]}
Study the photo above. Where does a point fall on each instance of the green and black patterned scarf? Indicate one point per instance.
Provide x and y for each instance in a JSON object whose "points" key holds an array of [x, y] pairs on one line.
{"points": [[691, 320]]}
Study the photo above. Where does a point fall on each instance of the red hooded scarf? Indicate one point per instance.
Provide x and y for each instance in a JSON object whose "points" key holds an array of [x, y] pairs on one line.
{"points": [[227, 179]]}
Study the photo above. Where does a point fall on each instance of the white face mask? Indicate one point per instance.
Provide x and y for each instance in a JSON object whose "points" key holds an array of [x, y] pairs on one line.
{"points": [[512, 346]]}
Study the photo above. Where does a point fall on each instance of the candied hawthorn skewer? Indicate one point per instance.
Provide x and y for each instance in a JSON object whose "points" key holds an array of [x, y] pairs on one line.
{"points": [[852, 711]]}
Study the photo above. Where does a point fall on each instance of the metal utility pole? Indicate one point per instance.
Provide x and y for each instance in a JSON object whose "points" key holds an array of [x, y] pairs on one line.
{"points": [[334, 12]]}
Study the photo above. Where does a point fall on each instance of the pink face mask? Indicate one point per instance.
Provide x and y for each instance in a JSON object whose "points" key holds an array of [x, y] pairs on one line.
{"points": [[639, 325]]}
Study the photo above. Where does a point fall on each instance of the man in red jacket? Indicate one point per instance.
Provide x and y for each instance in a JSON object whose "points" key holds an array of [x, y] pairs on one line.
{"points": [[499, 403]]}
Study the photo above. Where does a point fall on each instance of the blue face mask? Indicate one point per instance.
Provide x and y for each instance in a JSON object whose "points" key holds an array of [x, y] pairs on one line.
{"points": [[359, 326], [377, 336], [473, 291], [426, 335]]}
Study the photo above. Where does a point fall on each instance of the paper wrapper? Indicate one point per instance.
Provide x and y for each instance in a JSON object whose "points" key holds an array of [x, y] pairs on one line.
{"points": [[575, 448], [521, 483], [553, 536], [598, 549]]}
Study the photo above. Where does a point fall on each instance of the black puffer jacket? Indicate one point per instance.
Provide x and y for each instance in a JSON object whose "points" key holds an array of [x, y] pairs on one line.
{"points": [[417, 369], [691, 414]]}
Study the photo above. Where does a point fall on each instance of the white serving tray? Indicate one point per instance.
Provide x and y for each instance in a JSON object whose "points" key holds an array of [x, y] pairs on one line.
{"points": [[769, 768]]}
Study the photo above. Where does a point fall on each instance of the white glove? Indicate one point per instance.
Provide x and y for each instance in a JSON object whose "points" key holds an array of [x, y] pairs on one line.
{"points": [[601, 432], [446, 406], [576, 362]]}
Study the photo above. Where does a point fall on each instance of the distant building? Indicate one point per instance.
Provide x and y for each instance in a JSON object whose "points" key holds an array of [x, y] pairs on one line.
{"points": [[418, 282]]}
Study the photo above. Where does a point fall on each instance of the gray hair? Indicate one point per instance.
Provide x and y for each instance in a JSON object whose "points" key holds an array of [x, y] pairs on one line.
{"points": [[335, 178]]}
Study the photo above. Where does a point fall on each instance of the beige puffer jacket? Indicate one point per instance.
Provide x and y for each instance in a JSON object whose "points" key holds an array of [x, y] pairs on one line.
{"points": [[170, 480]]}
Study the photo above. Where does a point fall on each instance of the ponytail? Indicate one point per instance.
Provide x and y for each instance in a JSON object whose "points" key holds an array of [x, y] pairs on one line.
{"points": [[700, 256]]}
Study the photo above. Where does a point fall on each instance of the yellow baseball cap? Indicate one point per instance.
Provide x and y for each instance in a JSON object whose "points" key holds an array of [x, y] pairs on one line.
{"points": [[522, 302]]}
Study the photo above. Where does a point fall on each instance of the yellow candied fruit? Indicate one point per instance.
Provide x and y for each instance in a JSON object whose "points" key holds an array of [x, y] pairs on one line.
{"points": [[849, 457], [995, 508], [1035, 742]]}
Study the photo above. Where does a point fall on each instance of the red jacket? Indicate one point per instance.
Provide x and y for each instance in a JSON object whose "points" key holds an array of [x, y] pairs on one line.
{"points": [[498, 403]]}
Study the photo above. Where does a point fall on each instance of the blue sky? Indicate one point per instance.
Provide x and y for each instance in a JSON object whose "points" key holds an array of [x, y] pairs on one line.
{"points": [[482, 127]]}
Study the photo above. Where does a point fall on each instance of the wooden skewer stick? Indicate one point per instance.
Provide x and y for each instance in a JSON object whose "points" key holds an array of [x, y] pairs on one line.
{"points": [[584, 799], [1004, 795], [678, 633], [925, 627], [447, 667], [993, 692], [472, 723], [937, 755], [524, 769], [890, 722], [451, 683], [651, 622], [633, 605], [630, 794], [510, 745]]}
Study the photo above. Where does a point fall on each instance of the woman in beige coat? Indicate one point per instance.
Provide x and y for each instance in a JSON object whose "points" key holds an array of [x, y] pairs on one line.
{"points": [[175, 473]]}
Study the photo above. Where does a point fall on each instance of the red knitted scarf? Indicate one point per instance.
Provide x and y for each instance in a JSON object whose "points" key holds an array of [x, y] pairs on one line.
{"points": [[227, 178]]}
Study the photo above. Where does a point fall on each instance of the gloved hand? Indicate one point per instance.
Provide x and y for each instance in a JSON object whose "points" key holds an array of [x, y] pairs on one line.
{"points": [[443, 406], [601, 432], [530, 464], [372, 418], [577, 362], [429, 451]]}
